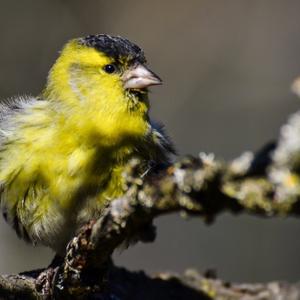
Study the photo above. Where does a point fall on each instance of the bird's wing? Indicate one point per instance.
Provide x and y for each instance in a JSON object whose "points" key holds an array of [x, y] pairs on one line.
{"points": [[161, 138], [157, 149]]}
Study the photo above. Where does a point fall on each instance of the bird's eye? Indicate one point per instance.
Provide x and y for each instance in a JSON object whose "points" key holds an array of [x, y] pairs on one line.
{"points": [[110, 68]]}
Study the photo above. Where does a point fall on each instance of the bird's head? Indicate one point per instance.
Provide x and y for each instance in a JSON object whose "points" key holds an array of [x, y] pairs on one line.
{"points": [[107, 75]]}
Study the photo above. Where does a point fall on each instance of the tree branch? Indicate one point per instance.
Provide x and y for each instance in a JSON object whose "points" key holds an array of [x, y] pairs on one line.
{"points": [[17, 286], [264, 184]]}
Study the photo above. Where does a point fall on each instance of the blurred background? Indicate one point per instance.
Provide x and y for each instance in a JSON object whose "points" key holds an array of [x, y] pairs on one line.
{"points": [[227, 68]]}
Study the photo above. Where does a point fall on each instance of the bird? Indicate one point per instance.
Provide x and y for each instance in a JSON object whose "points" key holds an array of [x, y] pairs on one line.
{"points": [[63, 152]]}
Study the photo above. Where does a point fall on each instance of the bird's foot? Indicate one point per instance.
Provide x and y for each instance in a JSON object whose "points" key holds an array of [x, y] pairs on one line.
{"points": [[45, 282]]}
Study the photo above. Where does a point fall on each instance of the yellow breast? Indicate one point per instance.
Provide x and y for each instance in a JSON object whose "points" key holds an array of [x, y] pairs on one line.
{"points": [[59, 171]]}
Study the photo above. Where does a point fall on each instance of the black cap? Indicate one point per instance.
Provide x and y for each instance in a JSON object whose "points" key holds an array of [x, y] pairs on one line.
{"points": [[114, 46]]}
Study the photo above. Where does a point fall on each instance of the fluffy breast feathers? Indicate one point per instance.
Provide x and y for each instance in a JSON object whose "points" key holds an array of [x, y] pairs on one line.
{"points": [[58, 170]]}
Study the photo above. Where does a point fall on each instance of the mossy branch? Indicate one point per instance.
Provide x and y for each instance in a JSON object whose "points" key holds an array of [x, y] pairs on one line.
{"points": [[266, 184]]}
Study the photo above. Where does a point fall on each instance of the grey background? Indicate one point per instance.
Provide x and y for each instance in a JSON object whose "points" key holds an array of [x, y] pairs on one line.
{"points": [[227, 67]]}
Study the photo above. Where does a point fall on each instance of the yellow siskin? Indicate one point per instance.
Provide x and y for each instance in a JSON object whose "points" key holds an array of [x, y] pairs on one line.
{"points": [[62, 153]]}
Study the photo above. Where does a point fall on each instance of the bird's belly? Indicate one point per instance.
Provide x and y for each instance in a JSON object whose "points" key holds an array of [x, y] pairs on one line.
{"points": [[48, 195], [84, 203]]}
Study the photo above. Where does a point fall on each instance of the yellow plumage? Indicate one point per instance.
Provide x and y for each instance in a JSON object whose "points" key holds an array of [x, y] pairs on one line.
{"points": [[62, 153]]}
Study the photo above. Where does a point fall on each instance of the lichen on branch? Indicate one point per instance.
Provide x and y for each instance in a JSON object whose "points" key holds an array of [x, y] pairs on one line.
{"points": [[266, 183]]}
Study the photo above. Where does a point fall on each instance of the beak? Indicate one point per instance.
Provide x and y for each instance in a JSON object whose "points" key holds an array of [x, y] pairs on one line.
{"points": [[139, 77]]}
